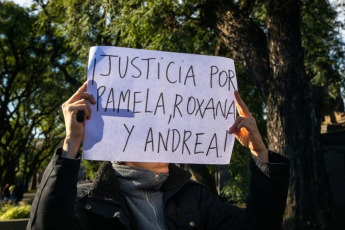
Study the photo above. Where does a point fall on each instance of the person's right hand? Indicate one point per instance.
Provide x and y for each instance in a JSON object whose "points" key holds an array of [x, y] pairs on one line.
{"points": [[75, 129]]}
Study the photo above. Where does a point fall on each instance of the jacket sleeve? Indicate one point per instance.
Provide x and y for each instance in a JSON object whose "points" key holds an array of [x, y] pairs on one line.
{"points": [[53, 206], [265, 203], [268, 191]]}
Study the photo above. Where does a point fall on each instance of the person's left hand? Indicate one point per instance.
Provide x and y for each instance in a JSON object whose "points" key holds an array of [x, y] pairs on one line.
{"points": [[247, 132]]}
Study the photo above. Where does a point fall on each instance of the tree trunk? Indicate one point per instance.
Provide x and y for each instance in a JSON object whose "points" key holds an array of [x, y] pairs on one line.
{"points": [[10, 175], [275, 61], [33, 182], [293, 126]]}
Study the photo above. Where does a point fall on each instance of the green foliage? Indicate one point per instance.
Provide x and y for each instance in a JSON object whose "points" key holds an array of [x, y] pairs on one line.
{"points": [[159, 25], [324, 49], [164, 25], [235, 190], [36, 76], [9, 212]]}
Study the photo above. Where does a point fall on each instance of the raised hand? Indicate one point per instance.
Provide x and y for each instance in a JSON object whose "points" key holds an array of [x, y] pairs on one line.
{"points": [[75, 129], [247, 132]]}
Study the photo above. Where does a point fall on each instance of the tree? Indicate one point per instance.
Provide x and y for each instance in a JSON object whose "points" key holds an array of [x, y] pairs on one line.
{"points": [[284, 46], [324, 53], [275, 59], [32, 91]]}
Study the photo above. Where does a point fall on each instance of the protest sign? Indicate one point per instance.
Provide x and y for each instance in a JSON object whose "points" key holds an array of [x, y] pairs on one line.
{"points": [[155, 106]]}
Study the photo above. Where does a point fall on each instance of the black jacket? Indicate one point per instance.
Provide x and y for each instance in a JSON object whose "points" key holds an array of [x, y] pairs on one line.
{"points": [[59, 204]]}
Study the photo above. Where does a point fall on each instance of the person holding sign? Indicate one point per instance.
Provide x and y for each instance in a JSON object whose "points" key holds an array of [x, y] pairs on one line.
{"points": [[142, 195]]}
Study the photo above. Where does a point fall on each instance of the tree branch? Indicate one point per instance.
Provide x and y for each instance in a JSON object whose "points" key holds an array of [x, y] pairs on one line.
{"points": [[245, 39]]}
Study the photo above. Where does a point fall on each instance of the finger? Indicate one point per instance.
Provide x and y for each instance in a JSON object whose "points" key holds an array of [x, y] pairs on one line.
{"points": [[241, 107], [80, 105], [89, 97], [239, 127], [242, 135], [247, 122], [78, 94], [235, 124], [81, 115], [84, 106]]}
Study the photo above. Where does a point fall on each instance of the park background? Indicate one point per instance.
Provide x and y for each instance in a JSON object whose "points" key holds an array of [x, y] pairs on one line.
{"points": [[290, 63]]}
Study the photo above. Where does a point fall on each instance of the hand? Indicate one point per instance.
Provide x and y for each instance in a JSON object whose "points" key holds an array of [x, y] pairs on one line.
{"points": [[247, 132], [75, 129]]}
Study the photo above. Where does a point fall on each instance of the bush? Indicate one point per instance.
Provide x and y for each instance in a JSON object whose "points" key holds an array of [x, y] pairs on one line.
{"points": [[8, 212]]}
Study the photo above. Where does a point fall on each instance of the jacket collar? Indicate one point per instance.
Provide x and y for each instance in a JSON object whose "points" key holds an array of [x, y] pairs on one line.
{"points": [[105, 186], [177, 178]]}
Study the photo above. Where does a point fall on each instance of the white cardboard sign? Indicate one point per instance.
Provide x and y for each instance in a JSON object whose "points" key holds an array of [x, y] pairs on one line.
{"points": [[155, 106]]}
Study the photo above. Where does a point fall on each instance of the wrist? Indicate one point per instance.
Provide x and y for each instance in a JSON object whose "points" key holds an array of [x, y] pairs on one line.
{"points": [[261, 154], [70, 147]]}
